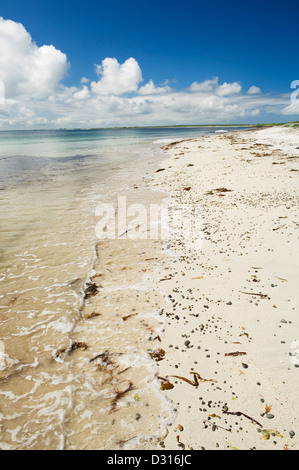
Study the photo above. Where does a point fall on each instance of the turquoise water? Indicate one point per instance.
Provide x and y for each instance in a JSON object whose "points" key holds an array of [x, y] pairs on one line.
{"points": [[50, 185]]}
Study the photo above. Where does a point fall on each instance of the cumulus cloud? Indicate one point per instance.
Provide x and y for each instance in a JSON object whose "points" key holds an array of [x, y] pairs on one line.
{"points": [[151, 89], [226, 89], [117, 79], [254, 90], [25, 68], [205, 86], [117, 97]]}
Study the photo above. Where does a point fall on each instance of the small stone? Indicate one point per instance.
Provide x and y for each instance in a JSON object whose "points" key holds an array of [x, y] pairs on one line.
{"points": [[187, 343], [269, 416], [292, 434]]}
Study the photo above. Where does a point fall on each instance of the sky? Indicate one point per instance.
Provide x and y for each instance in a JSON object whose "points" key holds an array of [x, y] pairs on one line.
{"points": [[125, 63]]}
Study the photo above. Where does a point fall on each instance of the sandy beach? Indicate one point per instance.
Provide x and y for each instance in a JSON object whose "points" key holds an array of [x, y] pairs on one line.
{"points": [[198, 345], [231, 336]]}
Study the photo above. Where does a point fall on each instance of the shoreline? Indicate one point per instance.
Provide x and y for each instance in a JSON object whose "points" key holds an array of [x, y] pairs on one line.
{"points": [[231, 334]]}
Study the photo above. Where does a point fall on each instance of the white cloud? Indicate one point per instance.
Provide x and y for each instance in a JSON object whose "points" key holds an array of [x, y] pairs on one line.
{"points": [[226, 89], [117, 79], [254, 90], [29, 71], [25, 68], [207, 85], [151, 89]]}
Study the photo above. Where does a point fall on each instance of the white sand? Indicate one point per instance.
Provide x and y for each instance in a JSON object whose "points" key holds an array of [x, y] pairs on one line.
{"points": [[250, 246]]}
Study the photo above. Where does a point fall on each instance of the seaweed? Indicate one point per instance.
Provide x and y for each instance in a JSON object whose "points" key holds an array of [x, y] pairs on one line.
{"points": [[263, 296], [88, 316], [126, 317], [239, 413], [120, 394], [91, 290], [180, 444], [166, 386], [157, 354], [73, 347], [195, 381], [236, 353]]}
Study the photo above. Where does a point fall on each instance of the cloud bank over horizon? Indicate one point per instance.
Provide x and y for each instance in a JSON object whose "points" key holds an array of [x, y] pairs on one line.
{"points": [[35, 96]]}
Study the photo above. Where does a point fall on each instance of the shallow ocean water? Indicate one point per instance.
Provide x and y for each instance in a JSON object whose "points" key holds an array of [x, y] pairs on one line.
{"points": [[50, 185]]}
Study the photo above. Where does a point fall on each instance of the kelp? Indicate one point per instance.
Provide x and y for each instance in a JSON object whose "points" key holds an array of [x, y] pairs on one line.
{"points": [[158, 354], [120, 394], [197, 379], [262, 296], [73, 347], [236, 353], [126, 317], [91, 290], [239, 413], [166, 386]]}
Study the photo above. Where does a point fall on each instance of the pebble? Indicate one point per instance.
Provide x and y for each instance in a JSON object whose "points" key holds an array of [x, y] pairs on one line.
{"points": [[269, 416]]}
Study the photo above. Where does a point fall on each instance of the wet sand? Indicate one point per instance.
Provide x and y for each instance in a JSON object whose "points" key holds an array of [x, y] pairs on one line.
{"points": [[231, 337]]}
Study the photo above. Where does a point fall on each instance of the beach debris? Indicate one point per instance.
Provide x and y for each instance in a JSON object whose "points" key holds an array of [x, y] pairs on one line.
{"points": [[267, 433], [236, 353], [105, 359], [196, 379], [166, 386], [214, 425], [187, 189], [91, 290], [126, 317], [121, 443], [88, 316], [157, 354], [180, 444], [278, 228], [281, 279], [160, 169], [263, 296], [218, 191], [239, 413], [231, 447], [268, 408], [79, 345], [73, 347], [120, 394]]}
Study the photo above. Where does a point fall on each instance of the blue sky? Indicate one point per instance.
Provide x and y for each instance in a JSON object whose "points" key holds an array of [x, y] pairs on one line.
{"points": [[175, 44]]}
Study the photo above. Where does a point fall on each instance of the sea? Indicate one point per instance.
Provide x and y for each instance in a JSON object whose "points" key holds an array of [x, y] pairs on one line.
{"points": [[51, 182]]}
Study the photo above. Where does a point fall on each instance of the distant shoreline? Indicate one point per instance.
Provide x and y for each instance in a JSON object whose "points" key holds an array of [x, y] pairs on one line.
{"points": [[178, 126]]}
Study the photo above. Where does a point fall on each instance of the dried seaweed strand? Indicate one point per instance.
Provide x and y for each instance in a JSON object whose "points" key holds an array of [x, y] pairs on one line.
{"points": [[236, 353], [120, 395], [195, 381], [239, 413], [263, 296]]}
